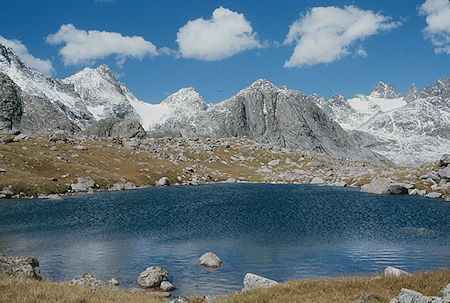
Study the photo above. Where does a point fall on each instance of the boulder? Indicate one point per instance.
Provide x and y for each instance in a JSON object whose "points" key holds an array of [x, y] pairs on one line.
{"points": [[434, 195], [395, 272], [446, 292], [84, 184], [317, 180], [115, 127], [417, 192], [88, 280], [385, 186], [252, 281], [444, 173], [20, 267], [164, 181], [210, 259], [445, 160], [114, 281], [230, 180], [152, 277], [411, 296], [59, 136], [166, 286]]}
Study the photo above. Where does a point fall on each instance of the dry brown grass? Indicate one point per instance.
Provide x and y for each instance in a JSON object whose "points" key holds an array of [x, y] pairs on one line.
{"points": [[14, 290], [344, 289]]}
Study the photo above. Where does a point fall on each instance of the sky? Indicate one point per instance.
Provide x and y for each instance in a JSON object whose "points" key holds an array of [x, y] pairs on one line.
{"points": [[221, 47]]}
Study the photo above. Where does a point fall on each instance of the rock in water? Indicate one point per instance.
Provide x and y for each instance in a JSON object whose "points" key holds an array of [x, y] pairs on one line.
{"points": [[152, 277], [392, 271], [20, 267], [88, 280], [210, 259], [166, 286], [10, 104], [252, 281], [115, 127]]}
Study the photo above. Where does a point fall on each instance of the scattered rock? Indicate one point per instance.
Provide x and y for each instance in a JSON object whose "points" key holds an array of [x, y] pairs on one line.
{"points": [[88, 280], [54, 197], [6, 139], [166, 286], [20, 267], [392, 271], [252, 281], [58, 136], [417, 192], [152, 277], [210, 259], [179, 300], [164, 181], [444, 173], [2, 170], [366, 298], [230, 180]]}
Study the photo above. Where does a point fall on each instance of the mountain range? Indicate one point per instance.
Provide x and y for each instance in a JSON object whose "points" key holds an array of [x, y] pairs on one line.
{"points": [[409, 129]]}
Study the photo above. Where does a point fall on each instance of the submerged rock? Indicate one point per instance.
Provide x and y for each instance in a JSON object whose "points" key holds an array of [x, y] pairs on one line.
{"points": [[252, 281], [20, 267], [210, 259], [152, 277]]}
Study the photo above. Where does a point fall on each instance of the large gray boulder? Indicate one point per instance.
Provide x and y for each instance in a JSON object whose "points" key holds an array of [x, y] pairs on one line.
{"points": [[445, 160], [84, 184], [411, 296], [446, 292], [152, 277], [20, 267], [115, 127], [88, 280], [385, 186], [395, 272], [10, 104], [252, 281], [210, 259]]}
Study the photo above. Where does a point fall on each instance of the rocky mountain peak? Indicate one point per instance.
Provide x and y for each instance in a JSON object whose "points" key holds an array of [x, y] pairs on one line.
{"points": [[262, 84], [186, 97], [384, 90], [338, 99], [439, 88], [412, 94]]}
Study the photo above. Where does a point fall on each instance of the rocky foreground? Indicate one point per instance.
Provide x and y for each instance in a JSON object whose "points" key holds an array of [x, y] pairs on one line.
{"points": [[48, 166]]}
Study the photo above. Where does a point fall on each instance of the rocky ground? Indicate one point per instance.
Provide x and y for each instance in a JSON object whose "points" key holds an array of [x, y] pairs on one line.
{"points": [[48, 166]]}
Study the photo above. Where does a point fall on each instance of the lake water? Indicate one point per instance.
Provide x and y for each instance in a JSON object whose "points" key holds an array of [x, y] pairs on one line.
{"points": [[283, 232]]}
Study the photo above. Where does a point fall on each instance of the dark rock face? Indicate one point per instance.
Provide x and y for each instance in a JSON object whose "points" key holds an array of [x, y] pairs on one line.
{"points": [[20, 267], [115, 127], [10, 104], [274, 116]]}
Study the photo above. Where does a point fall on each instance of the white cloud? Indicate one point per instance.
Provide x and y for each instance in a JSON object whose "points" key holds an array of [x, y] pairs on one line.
{"points": [[224, 35], [361, 52], [44, 66], [326, 34], [87, 46], [437, 14]]}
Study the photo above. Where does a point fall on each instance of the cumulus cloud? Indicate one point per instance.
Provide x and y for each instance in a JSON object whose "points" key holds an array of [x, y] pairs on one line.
{"points": [[44, 66], [224, 35], [82, 46], [437, 14], [326, 34]]}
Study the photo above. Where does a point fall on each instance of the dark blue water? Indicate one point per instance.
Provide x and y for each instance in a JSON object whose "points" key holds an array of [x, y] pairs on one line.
{"points": [[283, 232]]}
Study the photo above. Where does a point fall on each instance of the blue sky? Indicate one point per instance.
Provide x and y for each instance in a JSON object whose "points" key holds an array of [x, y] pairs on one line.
{"points": [[312, 46]]}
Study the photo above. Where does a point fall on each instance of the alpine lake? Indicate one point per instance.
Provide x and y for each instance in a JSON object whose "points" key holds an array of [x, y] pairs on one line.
{"points": [[282, 232]]}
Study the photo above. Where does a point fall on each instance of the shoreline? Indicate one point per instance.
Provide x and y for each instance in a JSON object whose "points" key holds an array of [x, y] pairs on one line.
{"points": [[39, 166]]}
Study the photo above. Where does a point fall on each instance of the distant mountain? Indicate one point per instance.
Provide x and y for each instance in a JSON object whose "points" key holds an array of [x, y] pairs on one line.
{"points": [[272, 115], [410, 130]]}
